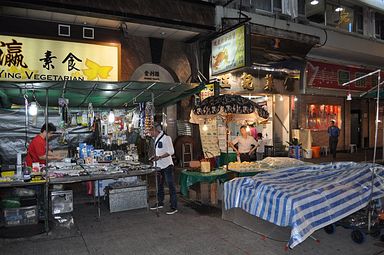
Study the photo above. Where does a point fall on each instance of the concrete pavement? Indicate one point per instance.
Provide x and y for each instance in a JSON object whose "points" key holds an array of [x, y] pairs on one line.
{"points": [[194, 230]]}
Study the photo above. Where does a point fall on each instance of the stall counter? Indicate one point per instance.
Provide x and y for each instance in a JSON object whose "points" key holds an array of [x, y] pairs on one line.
{"points": [[188, 178]]}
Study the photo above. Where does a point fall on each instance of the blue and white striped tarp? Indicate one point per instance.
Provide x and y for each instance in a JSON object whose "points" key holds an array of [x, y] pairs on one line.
{"points": [[306, 198]]}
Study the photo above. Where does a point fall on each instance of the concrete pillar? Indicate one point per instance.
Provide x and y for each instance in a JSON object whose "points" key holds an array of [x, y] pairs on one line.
{"points": [[171, 129]]}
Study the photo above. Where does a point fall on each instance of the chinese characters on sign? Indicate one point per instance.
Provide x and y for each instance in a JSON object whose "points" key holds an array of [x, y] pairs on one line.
{"points": [[70, 59], [152, 75], [207, 91], [32, 59], [13, 56], [48, 60], [325, 75]]}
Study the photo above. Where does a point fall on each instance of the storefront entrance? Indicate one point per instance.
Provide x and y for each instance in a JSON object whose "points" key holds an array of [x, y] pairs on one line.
{"points": [[356, 128]]}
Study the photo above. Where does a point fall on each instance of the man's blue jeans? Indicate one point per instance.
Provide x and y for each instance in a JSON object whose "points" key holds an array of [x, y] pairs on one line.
{"points": [[167, 175]]}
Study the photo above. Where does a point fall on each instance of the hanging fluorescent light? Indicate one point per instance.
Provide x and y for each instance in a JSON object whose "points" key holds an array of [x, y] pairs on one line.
{"points": [[314, 2], [111, 117], [32, 109], [339, 9]]}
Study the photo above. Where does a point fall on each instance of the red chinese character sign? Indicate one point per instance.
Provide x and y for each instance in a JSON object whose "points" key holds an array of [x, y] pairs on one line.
{"points": [[30, 59], [324, 75]]}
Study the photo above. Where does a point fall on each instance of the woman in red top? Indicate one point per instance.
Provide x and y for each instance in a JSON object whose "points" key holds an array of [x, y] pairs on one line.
{"points": [[36, 149]]}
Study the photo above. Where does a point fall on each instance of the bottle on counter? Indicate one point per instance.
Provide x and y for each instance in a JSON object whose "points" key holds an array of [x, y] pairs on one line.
{"points": [[27, 174]]}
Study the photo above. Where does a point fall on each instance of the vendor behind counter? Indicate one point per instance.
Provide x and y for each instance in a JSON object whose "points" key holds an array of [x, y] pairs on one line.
{"points": [[246, 145], [37, 148]]}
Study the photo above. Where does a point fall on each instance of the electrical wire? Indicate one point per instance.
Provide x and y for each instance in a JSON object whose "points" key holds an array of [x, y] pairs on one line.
{"points": [[325, 40]]}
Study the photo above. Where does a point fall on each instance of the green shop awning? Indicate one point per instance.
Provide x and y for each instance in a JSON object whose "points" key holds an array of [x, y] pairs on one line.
{"points": [[101, 94]]}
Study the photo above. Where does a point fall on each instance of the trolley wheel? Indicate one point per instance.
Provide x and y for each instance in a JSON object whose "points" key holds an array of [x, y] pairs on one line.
{"points": [[330, 229], [357, 236]]}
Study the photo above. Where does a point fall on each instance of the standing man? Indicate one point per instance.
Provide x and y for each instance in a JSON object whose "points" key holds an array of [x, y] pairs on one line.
{"points": [[163, 160], [244, 142], [333, 133], [36, 149]]}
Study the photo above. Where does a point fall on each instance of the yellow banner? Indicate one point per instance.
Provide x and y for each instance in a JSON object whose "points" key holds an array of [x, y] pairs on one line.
{"points": [[29, 59]]}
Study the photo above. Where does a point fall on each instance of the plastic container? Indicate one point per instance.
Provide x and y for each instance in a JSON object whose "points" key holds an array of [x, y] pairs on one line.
{"points": [[295, 152], [316, 151], [62, 201], [20, 216], [307, 153]]}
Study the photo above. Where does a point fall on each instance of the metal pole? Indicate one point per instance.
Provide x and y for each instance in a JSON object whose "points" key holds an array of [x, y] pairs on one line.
{"points": [[382, 144], [46, 129], [154, 151], [46, 190], [362, 77], [26, 120], [226, 140], [98, 200], [377, 117], [373, 170]]}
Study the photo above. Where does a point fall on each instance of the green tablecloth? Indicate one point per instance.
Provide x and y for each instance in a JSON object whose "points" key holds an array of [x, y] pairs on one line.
{"points": [[244, 174], [188, 178], [232, 157]]}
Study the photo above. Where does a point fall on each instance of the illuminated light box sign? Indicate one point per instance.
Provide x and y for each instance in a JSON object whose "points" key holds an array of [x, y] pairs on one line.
{"points": [[29, 59], [229, 51]]}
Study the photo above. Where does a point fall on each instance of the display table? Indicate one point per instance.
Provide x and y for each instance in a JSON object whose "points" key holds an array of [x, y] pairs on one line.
{"points": [[15, 184], [245, 173], [75, 179], [26, 218], [189, 178], [99, 177]]}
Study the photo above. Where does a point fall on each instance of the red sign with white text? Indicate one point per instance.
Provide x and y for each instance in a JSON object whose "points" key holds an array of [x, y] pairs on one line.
{"points": [[324, 75]]}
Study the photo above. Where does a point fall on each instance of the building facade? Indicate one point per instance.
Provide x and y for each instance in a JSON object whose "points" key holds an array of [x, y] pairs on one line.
{"points": [[156, 40], [333, 42]]}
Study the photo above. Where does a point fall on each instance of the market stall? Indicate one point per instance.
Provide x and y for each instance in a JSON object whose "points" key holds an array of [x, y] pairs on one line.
{"points": [[227, 109], [96, 112], [304, 198]]}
